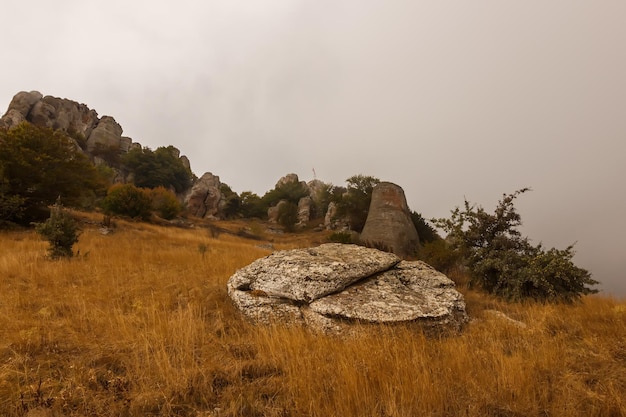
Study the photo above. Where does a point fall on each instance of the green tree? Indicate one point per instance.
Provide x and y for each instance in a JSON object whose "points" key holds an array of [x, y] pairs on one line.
{"points": [[151, 169], [128, 200], [61, 231], [251, 206], [355, 202], [503, 262], [232, 202], [425, 231], [38, 165]]}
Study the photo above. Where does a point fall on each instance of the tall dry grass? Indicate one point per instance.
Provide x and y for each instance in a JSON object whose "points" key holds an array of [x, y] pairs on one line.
{"points": [[140, 324]]}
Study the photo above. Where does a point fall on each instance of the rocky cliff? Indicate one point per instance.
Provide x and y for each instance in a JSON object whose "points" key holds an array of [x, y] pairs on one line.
{"points": [[98, 137]]}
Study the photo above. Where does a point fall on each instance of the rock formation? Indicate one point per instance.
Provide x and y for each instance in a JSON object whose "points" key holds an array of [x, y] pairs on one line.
{"points": [[332, 286], [203, 200], [389, 225], [106, 135], [304, 211], [274, 211]]}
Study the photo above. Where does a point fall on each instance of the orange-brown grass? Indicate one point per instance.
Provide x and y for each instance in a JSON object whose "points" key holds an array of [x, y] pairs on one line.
{"points": [[139, 323]]}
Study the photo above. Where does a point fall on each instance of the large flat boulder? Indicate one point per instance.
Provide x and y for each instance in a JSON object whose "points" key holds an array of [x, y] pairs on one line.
{"points": [[408, 292], [333, 286], [308, 274]]}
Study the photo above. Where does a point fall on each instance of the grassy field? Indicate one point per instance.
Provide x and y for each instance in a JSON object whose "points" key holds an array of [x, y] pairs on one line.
{"points": [[139, 324]]}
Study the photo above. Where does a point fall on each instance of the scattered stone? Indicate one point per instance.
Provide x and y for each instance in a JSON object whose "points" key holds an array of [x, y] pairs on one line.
{"points": [[501, 316]]}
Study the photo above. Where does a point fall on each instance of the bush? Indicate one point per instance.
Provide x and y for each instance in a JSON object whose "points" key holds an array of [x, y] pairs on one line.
{"points": [[341, 237], [127, 200], [164, 203], [288, 215], [61, 231], [503, 262], [440, 255]]}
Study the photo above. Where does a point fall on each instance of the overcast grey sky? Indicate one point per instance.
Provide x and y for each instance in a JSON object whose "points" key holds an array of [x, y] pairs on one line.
{"points": [[448, 98]]}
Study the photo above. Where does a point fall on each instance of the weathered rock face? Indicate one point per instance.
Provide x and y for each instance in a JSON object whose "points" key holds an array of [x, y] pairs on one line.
{"points": [[50, 112], [19, 108], [332, 220], [107, 134], [332, 286], [304, 211], [203, 200], [273, 212], [389, 223], [287, 179]]}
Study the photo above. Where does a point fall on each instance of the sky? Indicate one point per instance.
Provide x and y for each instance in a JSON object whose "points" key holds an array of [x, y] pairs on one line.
{"points": [[450, 99]]}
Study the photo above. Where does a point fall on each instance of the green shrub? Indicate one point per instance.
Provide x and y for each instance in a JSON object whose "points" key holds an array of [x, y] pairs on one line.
{"points": [[61, 231], [440, 255], [341, 237], [503, 262], [127, 200]]}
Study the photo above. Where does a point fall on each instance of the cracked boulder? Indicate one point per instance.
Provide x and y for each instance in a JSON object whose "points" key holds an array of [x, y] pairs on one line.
{"points": [[333, 286]]}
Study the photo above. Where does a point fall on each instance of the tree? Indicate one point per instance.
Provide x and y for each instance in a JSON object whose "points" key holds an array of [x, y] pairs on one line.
{"points": [[37, 165], [151, 169], [251, 205], [232, 202], [503, 262], [61, 231], [355, 202], [425, 231], [290, 191]]}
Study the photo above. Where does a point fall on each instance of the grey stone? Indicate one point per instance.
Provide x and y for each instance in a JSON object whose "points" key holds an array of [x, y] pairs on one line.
{"points": [[410, 291], [274, 211], [203, 200], [308, 274], [19, 108], [389, 225], [106, 134], [331, 286], [304, 211]]}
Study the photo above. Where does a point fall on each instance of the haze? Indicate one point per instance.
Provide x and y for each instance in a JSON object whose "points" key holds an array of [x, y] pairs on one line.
{"points": [[448, 99]]}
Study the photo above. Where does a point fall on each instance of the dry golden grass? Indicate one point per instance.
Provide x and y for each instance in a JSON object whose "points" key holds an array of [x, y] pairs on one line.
{"points": [[140, 324]]}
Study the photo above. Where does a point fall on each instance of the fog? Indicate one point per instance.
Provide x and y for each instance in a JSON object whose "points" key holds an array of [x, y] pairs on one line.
{"points": [[448, 99]]}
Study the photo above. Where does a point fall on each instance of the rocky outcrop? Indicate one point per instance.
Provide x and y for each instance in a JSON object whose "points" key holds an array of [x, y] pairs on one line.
{"points": [[203, 200], [332, 286], [51, 112], [19, 108], [304, 211], [274, 211], [106, 135], [287, 179], [389, 225], [98, 137]]}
